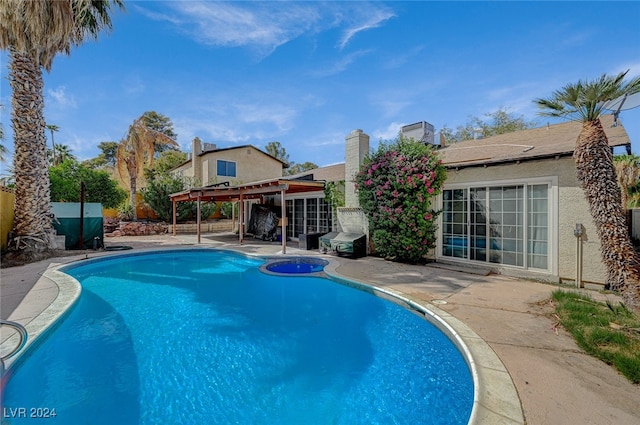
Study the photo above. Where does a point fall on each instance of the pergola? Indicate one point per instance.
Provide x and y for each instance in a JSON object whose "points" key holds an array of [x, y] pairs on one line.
{"points": [[255, 190]]}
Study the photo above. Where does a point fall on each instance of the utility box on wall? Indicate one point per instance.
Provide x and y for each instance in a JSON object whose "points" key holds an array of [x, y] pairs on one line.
{"points": [[67, 222]]}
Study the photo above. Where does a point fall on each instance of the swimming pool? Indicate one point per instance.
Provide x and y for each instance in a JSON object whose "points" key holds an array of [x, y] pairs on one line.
{"points": [[296, 265], [205, 337]]}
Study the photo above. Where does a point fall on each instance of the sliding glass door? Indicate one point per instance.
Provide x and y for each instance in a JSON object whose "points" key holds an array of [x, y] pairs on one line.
{"points": [[506, 224], [308, 215]]}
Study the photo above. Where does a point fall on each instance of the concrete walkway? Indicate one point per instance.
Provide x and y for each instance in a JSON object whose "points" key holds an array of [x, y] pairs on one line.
{"points": [[556, 382]]}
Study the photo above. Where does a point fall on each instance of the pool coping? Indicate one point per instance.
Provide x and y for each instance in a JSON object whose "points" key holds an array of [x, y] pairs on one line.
{"points": [[495, 401], [69, 290]]}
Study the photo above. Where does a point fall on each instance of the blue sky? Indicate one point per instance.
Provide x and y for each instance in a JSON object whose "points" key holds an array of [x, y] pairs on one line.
{"points": [[306, 74]]}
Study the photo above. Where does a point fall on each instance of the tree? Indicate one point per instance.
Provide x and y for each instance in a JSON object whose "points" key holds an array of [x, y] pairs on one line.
{"points": [[62, 153], [300, 168], [164, 162], [396, 186], [106, 159], [34, 32], [628, 173], [136, 152], [67, 176], [161, 124], [53, 128], [156, 196], [276, 150], [3, 149], [499, 122], [584, 101]]}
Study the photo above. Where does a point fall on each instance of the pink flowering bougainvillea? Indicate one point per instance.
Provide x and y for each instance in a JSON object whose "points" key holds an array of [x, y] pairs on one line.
{"points": [[396, 186]]}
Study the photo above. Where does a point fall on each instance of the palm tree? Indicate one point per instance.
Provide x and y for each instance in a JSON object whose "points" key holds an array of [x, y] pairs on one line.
{"points": [[585, 102], [53, 128], [3, 149], [34, 32], [62, 153], [136, 152], [628, 173]]}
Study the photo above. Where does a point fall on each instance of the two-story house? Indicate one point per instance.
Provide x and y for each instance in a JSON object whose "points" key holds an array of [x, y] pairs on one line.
{"points": [[209, 164]]}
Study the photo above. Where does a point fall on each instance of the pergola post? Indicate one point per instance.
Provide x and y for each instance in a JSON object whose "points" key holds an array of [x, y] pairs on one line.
{"points": [[175, 207], [283, 214], [198, 220], [233, 216], [241, 219]]}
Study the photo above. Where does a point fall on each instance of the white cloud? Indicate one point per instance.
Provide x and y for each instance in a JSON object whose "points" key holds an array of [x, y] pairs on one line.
{"points": [[341, 65], [264, 26], [388, 133], [279, 116], [366, 19], [61, 98], [133, 84], [239, 123], [633, 68], [261, 26]]}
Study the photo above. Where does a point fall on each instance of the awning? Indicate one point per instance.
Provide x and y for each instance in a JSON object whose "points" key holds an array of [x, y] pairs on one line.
{"points": [[254, 190]]}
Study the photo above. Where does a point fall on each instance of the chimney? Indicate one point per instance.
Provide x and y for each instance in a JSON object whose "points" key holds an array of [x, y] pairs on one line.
{"points": [[196, 167], [357, 147], [477, 133]]}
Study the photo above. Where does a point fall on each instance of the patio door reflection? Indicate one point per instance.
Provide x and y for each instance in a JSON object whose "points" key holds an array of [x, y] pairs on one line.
{"points": [[494, 224]]}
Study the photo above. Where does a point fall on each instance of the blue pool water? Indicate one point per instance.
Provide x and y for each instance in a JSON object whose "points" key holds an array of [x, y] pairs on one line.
{"points": [[297, 266], [204, 337]]}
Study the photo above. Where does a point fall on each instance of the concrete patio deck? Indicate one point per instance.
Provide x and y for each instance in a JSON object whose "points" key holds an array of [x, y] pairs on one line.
{"points": [[555, 381]]}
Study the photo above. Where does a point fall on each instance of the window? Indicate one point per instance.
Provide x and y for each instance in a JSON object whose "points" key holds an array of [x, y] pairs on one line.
{"points": [[226, 168], [506, 224], [308, 215]]}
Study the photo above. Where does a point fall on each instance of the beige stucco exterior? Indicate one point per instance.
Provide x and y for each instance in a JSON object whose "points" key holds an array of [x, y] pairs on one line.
{"points": [[251, 165], [568, 207]]}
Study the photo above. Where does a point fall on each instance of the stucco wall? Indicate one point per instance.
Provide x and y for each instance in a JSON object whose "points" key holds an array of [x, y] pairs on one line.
{"points": [[185, 170], [572, 209], [251, 165]]}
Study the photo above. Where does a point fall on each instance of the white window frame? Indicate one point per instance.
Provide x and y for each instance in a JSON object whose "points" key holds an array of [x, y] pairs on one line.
{"points": [[304, 197], [552, 214]]}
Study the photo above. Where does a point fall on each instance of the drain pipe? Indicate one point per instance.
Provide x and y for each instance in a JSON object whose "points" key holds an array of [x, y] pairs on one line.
{"points": [[577, 232]]}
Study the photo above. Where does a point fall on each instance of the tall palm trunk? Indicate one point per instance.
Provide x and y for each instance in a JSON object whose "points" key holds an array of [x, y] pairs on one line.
{"points": [[132, 168], [33, 231], [596, 173]]}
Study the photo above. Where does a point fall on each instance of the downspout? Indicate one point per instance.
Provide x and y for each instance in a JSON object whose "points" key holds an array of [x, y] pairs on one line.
{"points": [[578, 232]]}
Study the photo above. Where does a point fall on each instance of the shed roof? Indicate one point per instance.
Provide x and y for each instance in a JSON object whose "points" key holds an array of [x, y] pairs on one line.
{"points": [[247, 191], [329, 173], [536, 143]]}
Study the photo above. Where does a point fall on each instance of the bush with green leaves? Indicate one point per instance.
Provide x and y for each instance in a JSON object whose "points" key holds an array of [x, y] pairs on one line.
{"points": [[125, 211], [156, 196], [396, 186], [226, 209], [66, 177]]}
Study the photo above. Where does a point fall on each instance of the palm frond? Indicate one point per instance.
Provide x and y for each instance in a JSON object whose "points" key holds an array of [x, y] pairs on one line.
{"points": [[587, 100]]}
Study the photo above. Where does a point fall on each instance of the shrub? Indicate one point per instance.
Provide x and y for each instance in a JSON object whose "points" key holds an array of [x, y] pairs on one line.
{"points": [[395, 186], [125, 211], [226, 209], [156, 196], [66, 177]]}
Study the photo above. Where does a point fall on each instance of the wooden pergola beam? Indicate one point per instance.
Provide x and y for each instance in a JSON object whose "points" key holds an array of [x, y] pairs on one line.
{"points": [[241, 193]]}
